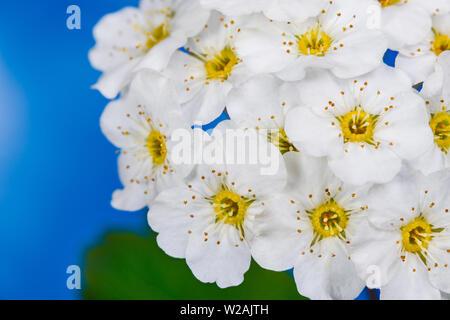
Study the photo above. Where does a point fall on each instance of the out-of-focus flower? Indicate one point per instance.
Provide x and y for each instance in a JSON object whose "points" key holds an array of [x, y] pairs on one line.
{"points": [[141, 124], [144, 37]]}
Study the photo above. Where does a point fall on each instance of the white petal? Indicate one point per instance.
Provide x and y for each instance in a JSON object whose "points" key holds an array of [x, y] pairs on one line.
{"points": [[375, 253], [278, 242], [131, 198], [361, 165], [361, 53], [313, 134], [327, 276], [248, 107], [408, 128], [260, 47], [114, 121], [409, 285], [390, 205], [111, 82], [170, 217], [406, 24], [418, 68], [190, 18], [213, 261]]}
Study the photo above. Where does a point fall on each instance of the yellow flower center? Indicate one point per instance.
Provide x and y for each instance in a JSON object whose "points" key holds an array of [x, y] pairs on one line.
{"points": [[416, 235], [279, 139], [329, 219], [387, 3], [358, 126], [441, 43], [221, 65], [230, 208], [440, 124], [158, 34], [314, 42], [156, 146]]}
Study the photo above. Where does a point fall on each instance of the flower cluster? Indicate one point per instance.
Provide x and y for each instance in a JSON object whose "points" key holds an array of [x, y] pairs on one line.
{"points": [[361, 193]]}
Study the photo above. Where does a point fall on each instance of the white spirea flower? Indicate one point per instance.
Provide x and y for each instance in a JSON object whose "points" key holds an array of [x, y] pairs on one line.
{"points": [[436, 91], [310, 227], [365, 126], [408, 240], [205, 75], [144, 37], [210, 221], [337, 39], [419, 60], [141, 124], [261, 104], [280, 10]]}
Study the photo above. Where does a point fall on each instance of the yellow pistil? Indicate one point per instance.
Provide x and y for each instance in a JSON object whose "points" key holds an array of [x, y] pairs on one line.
{"points": [[221, 65], [314, 42], [441, 43], [440, 124], [416, 235], [358, 126], [156, 146], [387, 3], [279, 139], [328, 220], [156, 35], [230, 208]]}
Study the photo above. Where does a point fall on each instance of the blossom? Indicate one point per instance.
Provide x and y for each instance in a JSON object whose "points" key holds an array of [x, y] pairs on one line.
{"points": [[419, 60], [266, 113], [365, 126], [209, 221], [310, 226], [337, 39], [281, 10], [144, 37], [408, 240], [141, 124], [436, 91], [211, 67]]}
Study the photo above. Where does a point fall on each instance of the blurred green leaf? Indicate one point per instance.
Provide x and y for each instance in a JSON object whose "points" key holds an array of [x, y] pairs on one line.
{"points": [[128, 266]]}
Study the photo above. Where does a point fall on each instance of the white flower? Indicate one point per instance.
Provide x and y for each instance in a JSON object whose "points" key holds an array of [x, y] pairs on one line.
{"points": [[310, 227], [365, 126], [141, 124], [419, 60], [436, 90], [337, 39], [280, 10], [210, 221], [144, 37], [210, 69], [408, 240], [261, 104]]}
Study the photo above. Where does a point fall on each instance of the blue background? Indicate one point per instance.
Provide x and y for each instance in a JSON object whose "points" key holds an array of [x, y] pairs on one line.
{"points": [[57, 171]]}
